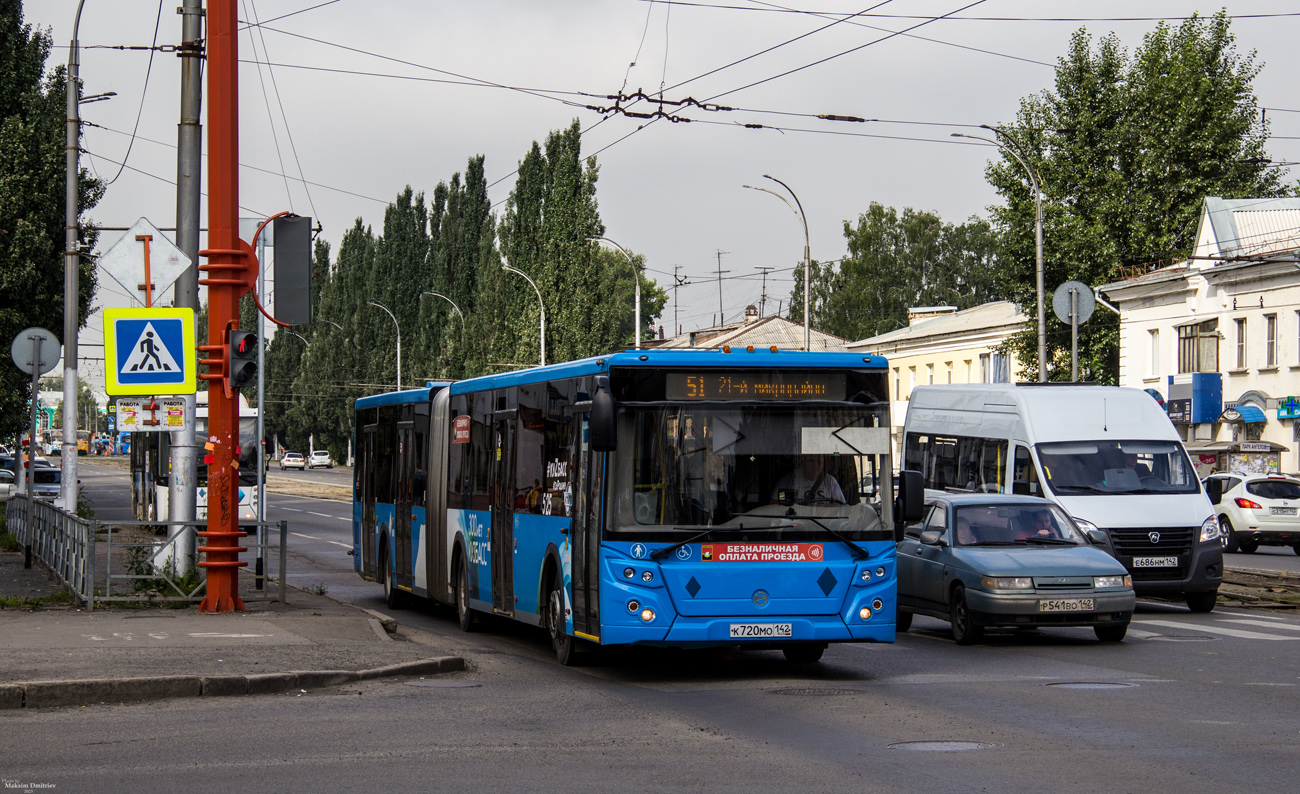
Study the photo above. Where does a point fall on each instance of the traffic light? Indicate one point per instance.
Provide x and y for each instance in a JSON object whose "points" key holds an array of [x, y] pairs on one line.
{"points": [[243, 358]]}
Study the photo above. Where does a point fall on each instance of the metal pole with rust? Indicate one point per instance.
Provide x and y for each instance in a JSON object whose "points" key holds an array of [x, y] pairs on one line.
{"points": [[228, 277]]}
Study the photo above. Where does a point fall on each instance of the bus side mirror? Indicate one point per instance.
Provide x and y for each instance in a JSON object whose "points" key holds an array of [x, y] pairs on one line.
{"points": [[1020, 487], [603, 414], [1214, 490], [911, 496]]}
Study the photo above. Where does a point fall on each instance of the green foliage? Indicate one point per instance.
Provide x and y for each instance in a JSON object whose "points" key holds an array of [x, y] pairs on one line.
{"points": [[32, 190], [1126, 149], [897, 262]]}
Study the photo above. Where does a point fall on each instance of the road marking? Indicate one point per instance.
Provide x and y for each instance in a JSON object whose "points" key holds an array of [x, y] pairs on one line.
{"points": [[321, 515], [1285, 626], [1245, 635], [1264, 683], [292, 509], [1142, 635], [309, 537], [218, 634], [336, 543]]}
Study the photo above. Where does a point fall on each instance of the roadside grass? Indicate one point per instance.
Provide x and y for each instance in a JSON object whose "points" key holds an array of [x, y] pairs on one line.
{"points": [[35, 602], [8, 542]]}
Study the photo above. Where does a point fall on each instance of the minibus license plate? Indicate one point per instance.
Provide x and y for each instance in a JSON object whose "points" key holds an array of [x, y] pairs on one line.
{"points": [[1065, 605], [1155, 562], [759, 630], [1282, 511]]}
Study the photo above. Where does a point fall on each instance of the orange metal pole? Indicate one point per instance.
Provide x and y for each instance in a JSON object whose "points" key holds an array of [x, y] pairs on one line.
{"points": [[148, 284], [229, 261]]}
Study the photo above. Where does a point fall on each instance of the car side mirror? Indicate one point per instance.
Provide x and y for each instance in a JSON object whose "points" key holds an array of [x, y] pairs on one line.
{"points": [[1214, 490], [1096, 537], [911, 496], [932, 537]]}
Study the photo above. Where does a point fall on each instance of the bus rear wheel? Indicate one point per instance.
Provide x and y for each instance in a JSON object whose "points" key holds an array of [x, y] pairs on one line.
{"points": [[464, 615], [562, 642]]}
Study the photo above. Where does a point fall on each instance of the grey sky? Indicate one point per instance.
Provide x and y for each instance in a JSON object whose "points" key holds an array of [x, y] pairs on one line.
{"points": [[672, 191]]}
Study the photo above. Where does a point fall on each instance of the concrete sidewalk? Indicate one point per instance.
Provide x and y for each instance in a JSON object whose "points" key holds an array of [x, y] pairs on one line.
{"points": [[60, 654]]}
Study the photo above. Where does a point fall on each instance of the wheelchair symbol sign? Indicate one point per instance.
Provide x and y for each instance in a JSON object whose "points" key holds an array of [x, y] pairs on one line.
{"points": [[684, 553]]}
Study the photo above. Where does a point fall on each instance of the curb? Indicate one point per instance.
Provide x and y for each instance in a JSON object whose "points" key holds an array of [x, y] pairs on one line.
{"points": [[44, 694], [1263, 573]]}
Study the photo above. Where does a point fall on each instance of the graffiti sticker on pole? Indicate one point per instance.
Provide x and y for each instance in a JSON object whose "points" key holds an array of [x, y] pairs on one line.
{"points": [[150, 351]]}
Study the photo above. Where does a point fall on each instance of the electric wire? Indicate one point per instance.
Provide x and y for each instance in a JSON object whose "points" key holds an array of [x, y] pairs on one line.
{"points": [[266, 100], [144, 92]]}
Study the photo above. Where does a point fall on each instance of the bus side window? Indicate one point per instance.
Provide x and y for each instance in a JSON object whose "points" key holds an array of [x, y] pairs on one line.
{"points": [[1025, 470]]}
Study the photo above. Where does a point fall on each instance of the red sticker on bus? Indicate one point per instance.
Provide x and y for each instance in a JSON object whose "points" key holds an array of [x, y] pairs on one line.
{"points": [[761, 552], [460, 430]]}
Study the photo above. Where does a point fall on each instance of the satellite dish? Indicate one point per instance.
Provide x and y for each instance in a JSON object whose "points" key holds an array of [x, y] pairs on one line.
{"points": [[1085, 302]]}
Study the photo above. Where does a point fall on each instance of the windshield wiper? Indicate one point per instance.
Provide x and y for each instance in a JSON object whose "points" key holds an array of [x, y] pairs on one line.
{"points": [[658, 554], [992, 543], [858, 550], [1084, 488], [1049, 541]]}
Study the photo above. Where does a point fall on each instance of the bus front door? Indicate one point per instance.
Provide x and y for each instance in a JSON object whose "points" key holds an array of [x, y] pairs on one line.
{"points": [[589, 470], [403, 567], [367, 489], [503, 516]]}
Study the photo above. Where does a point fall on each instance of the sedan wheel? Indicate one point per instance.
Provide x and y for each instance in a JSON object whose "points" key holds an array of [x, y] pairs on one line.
{"points": [[964, 630]]}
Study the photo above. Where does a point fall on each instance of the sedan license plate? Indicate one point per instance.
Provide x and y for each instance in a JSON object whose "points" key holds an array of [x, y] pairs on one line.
{"points": [[1155, 562], [1282, 511], [1066, 605], [761, 630]]}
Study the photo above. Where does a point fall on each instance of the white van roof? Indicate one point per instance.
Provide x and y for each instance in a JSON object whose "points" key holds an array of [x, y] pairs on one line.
{"points": [[1051, 412]]}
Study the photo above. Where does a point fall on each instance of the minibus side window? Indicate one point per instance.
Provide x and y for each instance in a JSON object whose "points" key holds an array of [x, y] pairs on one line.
{"points": [[1025, 470]]}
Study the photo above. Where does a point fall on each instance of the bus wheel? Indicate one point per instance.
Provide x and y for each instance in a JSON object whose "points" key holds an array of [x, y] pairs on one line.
{"points": [[392, 596], [803, 654], [564, 644], [464, 615]]}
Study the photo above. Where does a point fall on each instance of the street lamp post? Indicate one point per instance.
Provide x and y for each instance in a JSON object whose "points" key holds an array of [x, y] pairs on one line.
{"points": [[453, 305], [807, 260], [71, 272], [1010, 148], [540, 303], [636, 275], [399, 340]]}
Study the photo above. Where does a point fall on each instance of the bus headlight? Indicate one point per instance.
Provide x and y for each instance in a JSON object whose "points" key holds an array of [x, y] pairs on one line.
{"points": [[866, 574], [647, 576], [629, 572], [865, 613], [633, 605], [877, 605], [647, 614]]}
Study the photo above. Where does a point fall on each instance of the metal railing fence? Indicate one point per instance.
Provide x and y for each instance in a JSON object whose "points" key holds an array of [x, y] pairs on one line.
{"points": [[124, 561]]}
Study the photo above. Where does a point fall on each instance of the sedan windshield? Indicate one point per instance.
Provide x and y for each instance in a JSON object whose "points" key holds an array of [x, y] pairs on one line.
{"points": [[1117, 467], [1018, 524], [689, 468]]}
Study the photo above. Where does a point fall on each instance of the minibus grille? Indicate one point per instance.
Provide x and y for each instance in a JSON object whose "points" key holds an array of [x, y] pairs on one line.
{"points": [[1171, 542]]}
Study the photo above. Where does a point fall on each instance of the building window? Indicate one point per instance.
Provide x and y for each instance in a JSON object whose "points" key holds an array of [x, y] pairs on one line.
{"points": [[984, 368], [1241, 343], [1153, 365], [968, 370], [929, 374], [948, 364], [911, 381], [1270, 340], [898, 384], [1198, 347]]}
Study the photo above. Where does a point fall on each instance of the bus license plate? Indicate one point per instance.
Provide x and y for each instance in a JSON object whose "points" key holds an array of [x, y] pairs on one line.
{"points": [[1155, 562], [761, 630], [1065, 605]]}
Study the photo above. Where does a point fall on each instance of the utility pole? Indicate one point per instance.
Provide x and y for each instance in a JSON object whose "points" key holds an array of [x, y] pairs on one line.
{"points": [[677, 282], [71, 273], [184, 478], [762, 299], [228, 278], [721, 315]]}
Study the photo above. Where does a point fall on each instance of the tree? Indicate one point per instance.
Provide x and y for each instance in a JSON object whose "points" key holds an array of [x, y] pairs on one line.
{"points": [[1126, 149], [33, 135], [896, 262]]}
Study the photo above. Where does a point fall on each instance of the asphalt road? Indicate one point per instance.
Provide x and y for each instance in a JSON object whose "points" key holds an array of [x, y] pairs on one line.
{"points": [[1188, 703]]}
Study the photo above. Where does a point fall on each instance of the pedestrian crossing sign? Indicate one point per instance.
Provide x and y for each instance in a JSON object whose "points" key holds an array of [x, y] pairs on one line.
{"points": [[150, 351]]}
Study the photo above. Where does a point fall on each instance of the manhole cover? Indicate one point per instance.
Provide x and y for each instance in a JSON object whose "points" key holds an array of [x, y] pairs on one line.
{"points": [[1181, 638], [941, 747], [443, 684], [1091, 685], [814, 692]]}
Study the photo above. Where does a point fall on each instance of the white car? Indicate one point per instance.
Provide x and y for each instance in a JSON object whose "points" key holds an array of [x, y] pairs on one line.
{"points": [[1258, 510], [320, 457], [292, 460]]}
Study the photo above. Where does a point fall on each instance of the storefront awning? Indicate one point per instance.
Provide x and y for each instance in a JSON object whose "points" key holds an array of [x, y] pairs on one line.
{"points": [[1243, 413]]}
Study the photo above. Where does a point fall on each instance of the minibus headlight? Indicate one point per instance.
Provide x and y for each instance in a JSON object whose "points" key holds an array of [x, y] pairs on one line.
{"points": [[1210, 529], [1007, 583]]}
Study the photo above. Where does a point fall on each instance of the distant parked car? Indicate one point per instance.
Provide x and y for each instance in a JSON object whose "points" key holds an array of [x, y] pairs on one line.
{"points": [[989, 560], [320, 457], [1258, 510], [46, 482], [7, 485], [292, 460]]}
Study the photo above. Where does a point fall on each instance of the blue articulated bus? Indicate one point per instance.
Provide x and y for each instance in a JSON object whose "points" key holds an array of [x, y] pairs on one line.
{"points": [[676, 498]]}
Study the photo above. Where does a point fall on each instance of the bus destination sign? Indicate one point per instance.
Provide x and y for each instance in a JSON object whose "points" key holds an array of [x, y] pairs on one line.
{"points": [[761, 385]]}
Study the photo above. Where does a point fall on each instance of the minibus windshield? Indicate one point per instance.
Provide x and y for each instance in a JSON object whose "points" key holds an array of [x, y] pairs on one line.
{"points": [[1117, 467]]}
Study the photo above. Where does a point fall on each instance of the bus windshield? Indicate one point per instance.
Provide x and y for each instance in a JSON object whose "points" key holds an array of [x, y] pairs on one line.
{"points": [[691, 467], [1111, 467]]}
